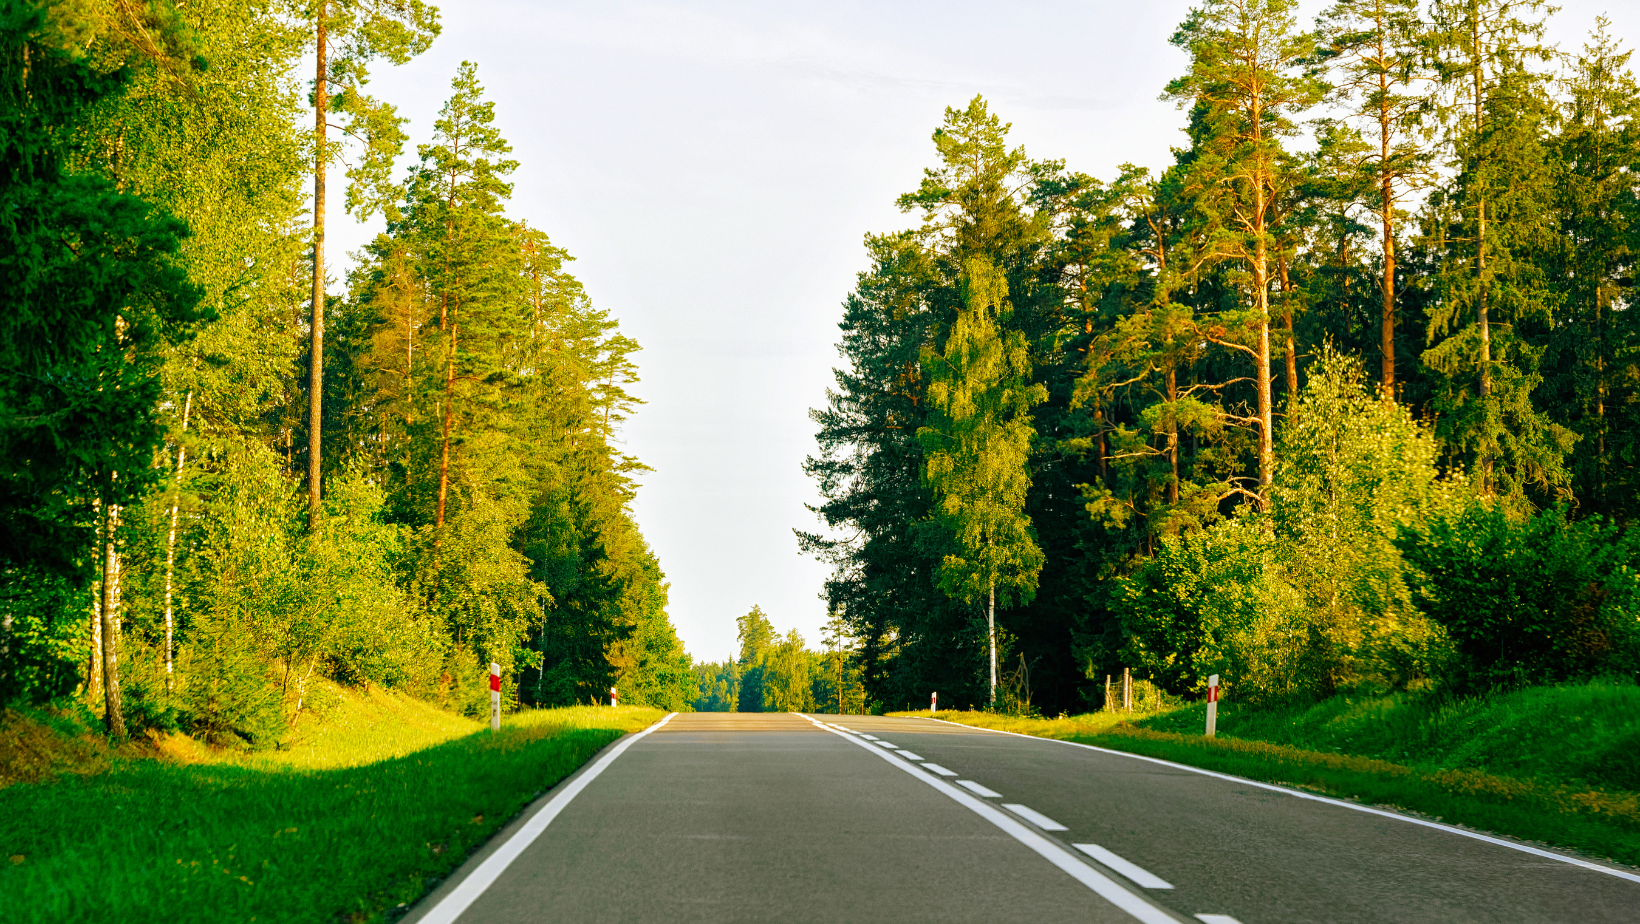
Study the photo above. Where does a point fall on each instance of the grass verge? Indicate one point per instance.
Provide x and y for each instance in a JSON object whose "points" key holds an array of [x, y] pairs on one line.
{"points": [[1597, 821], [253, 840]]}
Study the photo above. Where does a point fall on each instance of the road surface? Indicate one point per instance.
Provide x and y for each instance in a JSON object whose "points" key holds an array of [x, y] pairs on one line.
{"points": [[719, 818]]}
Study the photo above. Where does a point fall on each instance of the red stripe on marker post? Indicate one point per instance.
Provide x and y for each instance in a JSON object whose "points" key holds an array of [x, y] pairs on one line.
{"points": [[1212, 705], [495, 696]]}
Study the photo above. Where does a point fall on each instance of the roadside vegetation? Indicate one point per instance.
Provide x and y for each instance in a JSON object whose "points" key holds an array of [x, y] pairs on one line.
{"points": [[226, 475], [327, 830], [1551, 764]]}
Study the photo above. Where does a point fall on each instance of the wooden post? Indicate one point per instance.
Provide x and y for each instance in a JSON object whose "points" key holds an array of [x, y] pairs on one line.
{"points": [[1109, 706], [1212, 705], [495, 697], [1127, 690]]}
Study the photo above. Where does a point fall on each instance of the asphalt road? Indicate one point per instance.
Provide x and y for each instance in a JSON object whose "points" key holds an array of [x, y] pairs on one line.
{"points": [[730, 818]]}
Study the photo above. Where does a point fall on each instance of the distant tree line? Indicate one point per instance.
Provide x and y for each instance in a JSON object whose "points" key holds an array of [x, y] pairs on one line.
{"points": [[220, 479], [777, 673], [1346, 397]]}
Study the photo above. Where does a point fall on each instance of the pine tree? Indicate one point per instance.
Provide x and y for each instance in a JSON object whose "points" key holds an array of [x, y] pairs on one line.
{"points": [[1246, 83], [1380, 73], [348, 34]]}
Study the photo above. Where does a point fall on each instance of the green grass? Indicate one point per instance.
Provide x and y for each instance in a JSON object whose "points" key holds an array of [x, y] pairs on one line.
{"points": [[1577, 734], [1549, 764], [254, 840]]}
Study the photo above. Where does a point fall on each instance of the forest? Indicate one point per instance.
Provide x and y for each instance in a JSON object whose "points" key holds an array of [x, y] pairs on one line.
{"points": [[1345, 398], [224, 473]]}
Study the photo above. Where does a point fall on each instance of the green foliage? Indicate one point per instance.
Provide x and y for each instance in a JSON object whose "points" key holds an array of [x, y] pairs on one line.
{"points": [[96, 295], [977, 443], [158, 841], [1573, 734], [718, 686], [1216, 602], [1534, 601]]}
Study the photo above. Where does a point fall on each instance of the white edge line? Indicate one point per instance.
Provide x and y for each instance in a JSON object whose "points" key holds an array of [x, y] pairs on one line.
{"points": [[1472, 835], [453, 904], [1052, 851]]}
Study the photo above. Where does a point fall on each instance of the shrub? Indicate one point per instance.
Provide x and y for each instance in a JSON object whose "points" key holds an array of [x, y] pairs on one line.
{"points": [[1537, 601]]}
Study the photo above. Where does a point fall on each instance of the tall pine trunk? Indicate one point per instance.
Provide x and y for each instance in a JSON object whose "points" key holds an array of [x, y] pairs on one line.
{"points": [[316, 326], [1386, 187]]}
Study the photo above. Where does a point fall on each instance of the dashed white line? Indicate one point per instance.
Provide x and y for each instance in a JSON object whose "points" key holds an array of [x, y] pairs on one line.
{"points": [[1244, 781], [1141, 877], [1048, 849], [1216, 919], [979, 790], [940, 770], [866, 736], [910, 756], [885, 744], [1034, 817]]}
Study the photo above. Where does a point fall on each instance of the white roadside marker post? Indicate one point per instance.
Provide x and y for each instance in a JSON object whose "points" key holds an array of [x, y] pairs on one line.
{"points": [[1212, 705], [495, 697], [934, 702], [614, 699]]}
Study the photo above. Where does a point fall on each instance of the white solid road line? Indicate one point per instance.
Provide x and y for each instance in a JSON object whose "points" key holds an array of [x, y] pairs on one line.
{"points": [[1048, 849], [1472, 835], [979, 790], [910, 756], [452, 905], [940, 770], [1216, 919], [1141, 877], [1034, 817]]}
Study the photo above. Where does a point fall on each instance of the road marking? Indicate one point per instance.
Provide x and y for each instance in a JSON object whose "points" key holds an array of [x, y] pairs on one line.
{"points": [[452, 905], [1034, 817], [1051, 850], [1143, 878], [910, 756], [940, 770], [979, 790], [885, 744], [1472, 835], [1216, 919], [866, 736]]}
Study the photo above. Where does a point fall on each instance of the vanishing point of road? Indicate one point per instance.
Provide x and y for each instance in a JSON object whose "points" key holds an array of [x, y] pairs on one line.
{"points": [[720, 818]]}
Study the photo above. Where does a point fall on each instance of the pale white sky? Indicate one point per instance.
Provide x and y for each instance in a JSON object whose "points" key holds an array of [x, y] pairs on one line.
{"points": [[714, 166]]}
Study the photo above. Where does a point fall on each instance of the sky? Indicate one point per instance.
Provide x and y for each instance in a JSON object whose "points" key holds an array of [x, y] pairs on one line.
{"points": [[714, 167]]}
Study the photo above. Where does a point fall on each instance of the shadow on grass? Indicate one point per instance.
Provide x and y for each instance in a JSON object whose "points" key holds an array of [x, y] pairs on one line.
{"points": [[155, 841]]}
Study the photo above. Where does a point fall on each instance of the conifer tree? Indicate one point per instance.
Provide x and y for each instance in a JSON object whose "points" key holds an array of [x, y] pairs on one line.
{"points": [[1492, 219], [1380, 73], [1247, 81], [1597, 203], [347, 35]]}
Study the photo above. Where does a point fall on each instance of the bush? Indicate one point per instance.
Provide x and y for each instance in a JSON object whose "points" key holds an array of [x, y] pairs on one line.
{"points": [[1542, 600]]}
